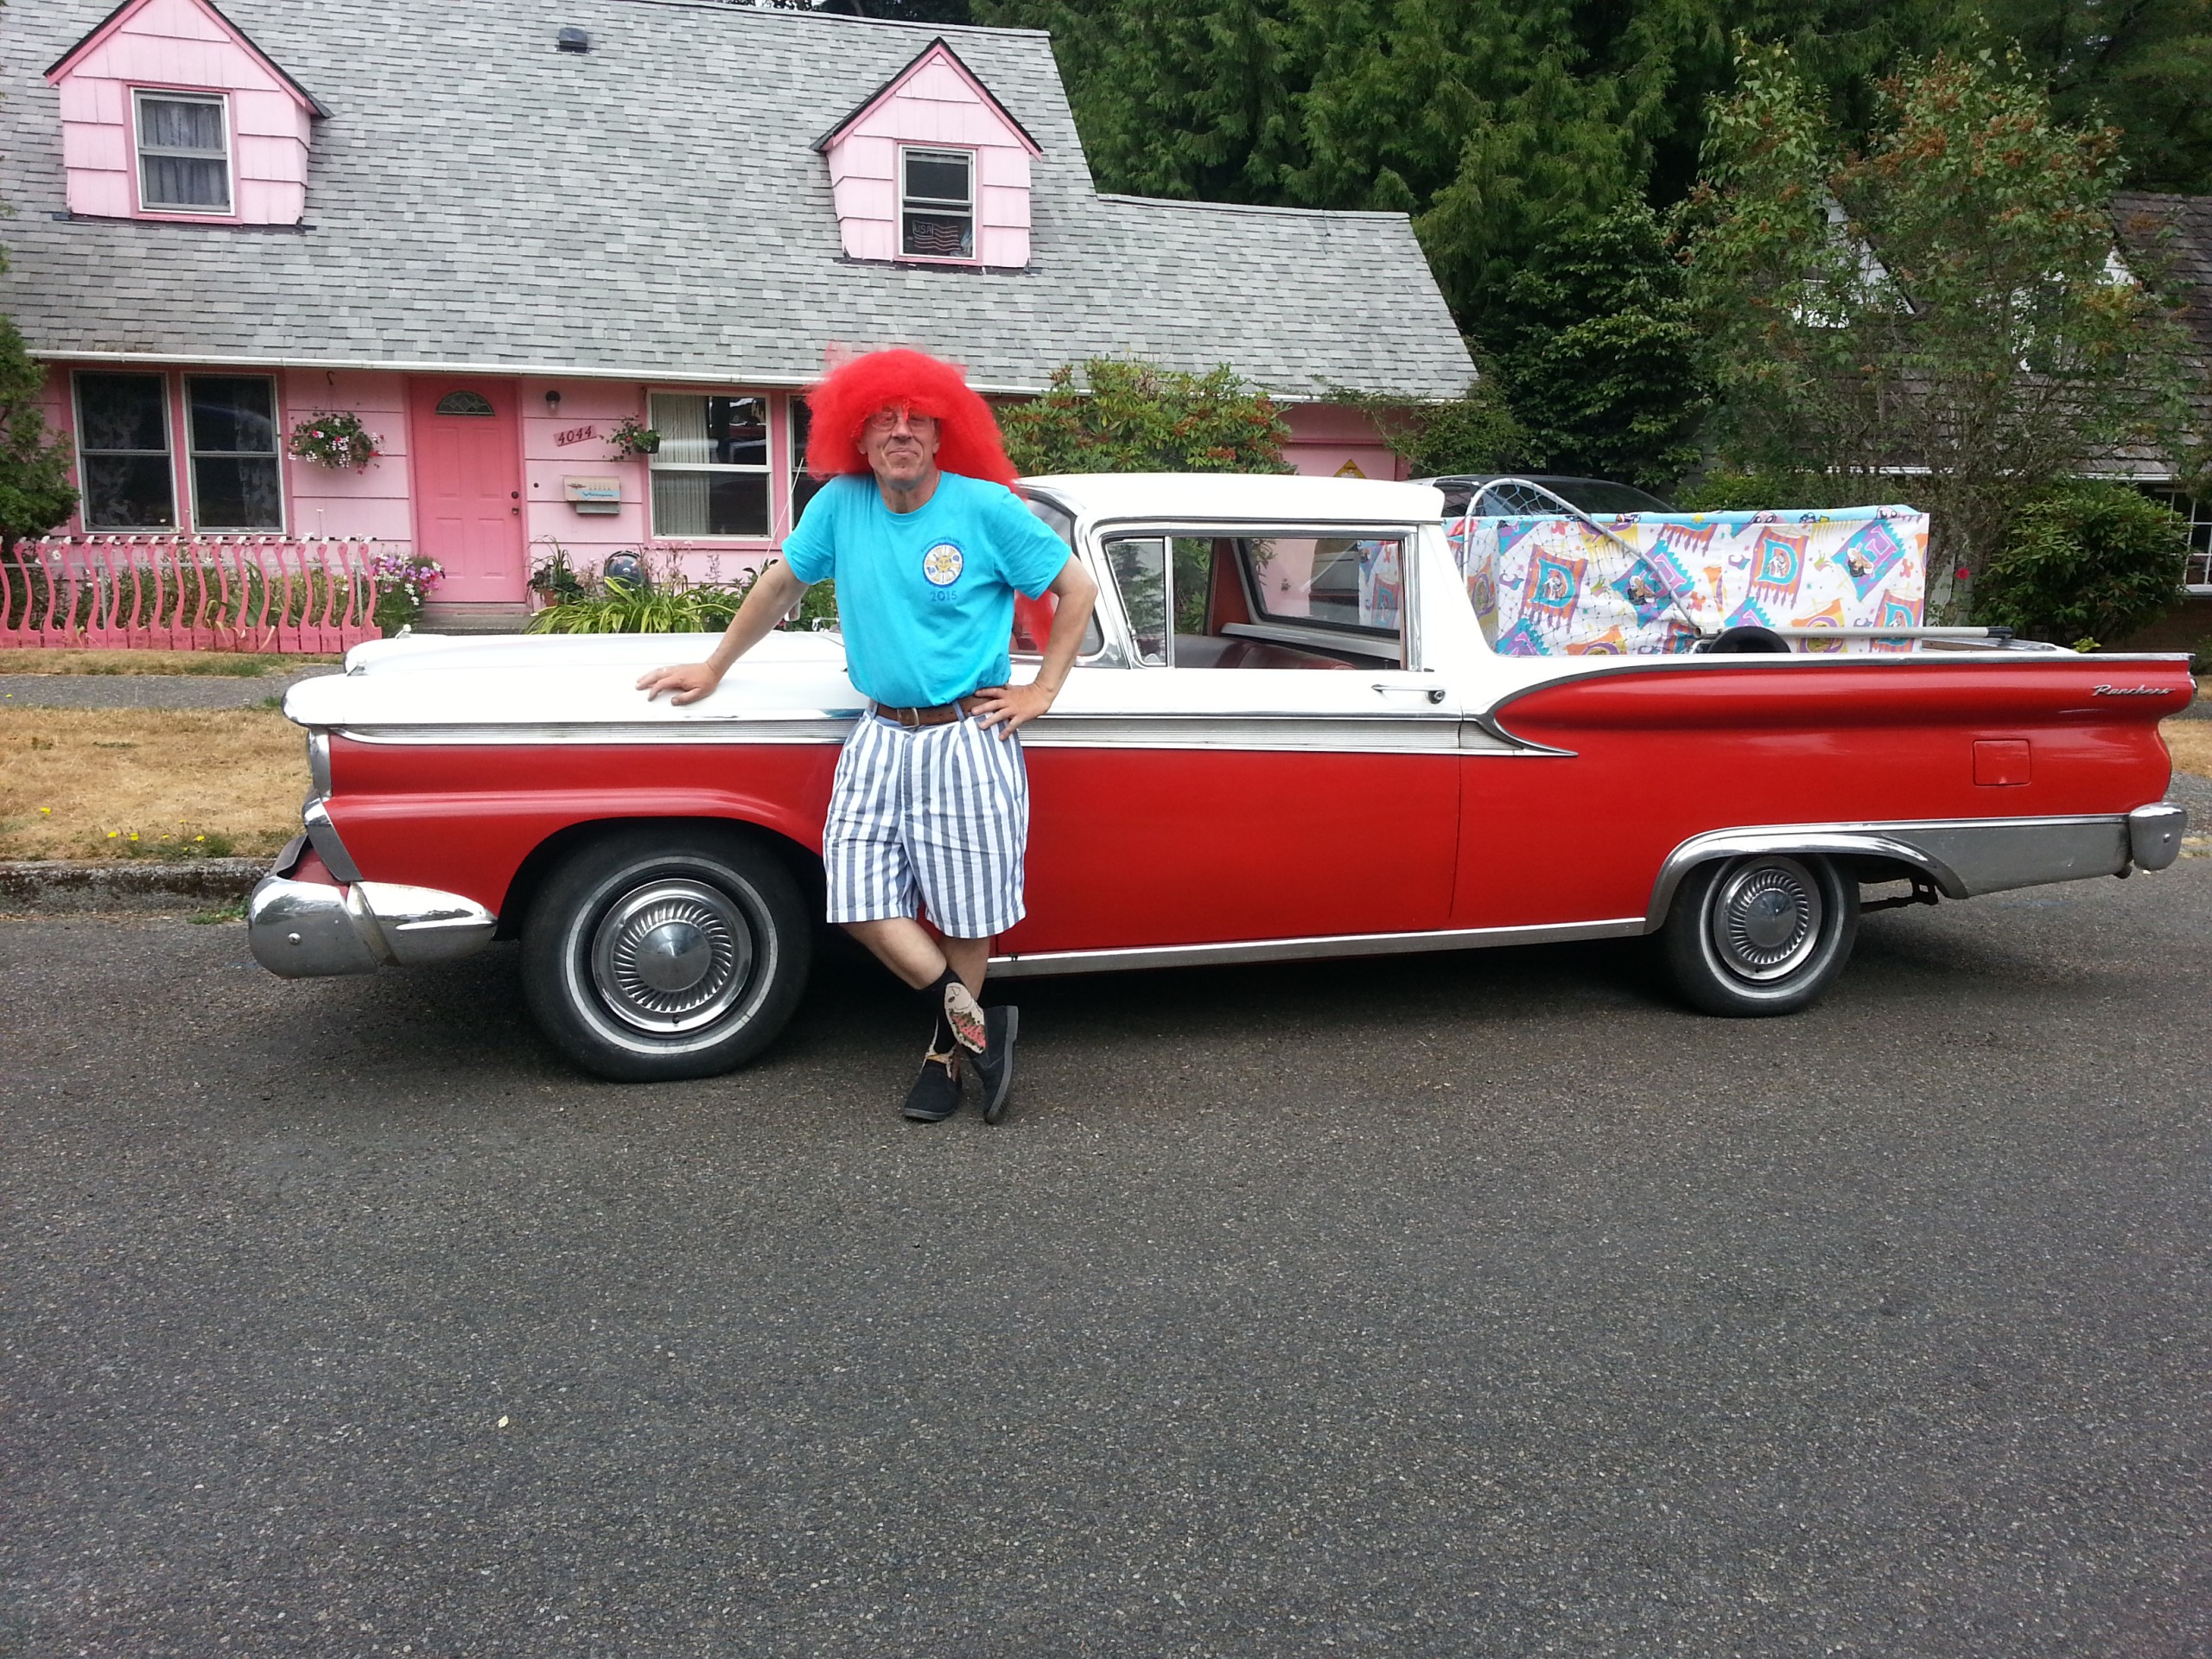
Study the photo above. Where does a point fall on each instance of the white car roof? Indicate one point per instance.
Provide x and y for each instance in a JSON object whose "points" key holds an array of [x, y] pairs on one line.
{"points": [[1283, 497]]}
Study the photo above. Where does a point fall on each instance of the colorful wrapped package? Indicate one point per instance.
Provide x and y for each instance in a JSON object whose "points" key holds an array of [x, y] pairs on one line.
{"points": [[1649, 584]]}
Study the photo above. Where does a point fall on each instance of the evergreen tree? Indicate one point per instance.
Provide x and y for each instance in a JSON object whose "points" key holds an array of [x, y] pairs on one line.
{"points": [[34, 490], [1597, 354]]}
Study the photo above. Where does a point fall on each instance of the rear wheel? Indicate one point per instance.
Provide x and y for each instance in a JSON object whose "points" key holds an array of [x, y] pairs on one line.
{"points": [[664, 952], [1762, 935]]}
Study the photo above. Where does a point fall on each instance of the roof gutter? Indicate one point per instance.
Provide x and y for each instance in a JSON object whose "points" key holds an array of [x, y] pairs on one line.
{"points": [[657, 376]]}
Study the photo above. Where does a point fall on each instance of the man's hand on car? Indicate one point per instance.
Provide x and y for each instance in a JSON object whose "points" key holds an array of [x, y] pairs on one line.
{"points": [[687, 681]]}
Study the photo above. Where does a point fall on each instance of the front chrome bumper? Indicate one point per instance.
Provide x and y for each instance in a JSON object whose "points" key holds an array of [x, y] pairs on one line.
{"points": [[305, 929]]}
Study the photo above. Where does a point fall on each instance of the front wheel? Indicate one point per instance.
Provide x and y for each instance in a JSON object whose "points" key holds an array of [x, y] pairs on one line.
{"points": [[666, 951], [1762, 935]]}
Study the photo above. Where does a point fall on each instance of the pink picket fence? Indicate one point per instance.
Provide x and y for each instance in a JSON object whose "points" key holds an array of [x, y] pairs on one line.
{"points": [[190, 593]]}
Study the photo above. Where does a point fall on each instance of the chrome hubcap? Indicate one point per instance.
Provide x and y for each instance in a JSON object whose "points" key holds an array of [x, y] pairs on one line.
{"points": [[672, 956], [1766, 918]]}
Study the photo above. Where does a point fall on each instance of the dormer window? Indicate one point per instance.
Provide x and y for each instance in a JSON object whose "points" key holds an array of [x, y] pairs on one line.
{"points": [[932, 167], [184, 154], [231, 148], [936, 203]]}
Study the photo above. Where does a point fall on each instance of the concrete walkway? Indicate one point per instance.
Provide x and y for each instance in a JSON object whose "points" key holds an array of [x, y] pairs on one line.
{"points": [[150, 690]]}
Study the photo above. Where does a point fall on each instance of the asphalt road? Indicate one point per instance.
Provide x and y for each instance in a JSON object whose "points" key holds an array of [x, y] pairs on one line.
{"points": [[150, 690], [1465, 1306]]}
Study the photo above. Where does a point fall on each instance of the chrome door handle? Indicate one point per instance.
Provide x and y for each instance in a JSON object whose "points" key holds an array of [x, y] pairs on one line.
{"points": [[1434, 693]]}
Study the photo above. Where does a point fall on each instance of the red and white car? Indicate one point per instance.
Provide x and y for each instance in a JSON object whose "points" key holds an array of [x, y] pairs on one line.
{"points": [[1288, 737]]}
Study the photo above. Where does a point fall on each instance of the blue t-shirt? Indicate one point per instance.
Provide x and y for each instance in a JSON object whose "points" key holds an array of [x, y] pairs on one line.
{"points": [[924, 599]]}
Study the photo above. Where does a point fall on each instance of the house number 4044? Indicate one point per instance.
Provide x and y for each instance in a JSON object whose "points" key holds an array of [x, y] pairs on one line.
{"points": [[576, 434]]}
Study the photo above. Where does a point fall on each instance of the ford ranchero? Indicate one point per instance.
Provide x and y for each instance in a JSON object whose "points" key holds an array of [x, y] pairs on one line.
{"points": [[1288, 737]]}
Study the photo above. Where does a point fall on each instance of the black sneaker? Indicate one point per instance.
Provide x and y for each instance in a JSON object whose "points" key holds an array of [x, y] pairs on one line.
{"points": [[936, 1094], [995, 1065]]}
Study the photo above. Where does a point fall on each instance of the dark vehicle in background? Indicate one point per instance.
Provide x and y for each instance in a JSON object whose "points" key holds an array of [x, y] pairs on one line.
{"points": [[1508, 495]]}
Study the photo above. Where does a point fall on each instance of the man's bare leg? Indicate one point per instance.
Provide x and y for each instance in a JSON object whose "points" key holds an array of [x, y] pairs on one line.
{"points": [[918, 957]]}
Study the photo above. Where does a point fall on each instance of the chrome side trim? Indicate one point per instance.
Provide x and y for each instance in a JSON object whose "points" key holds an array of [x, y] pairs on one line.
{"points": [[2154, 835], [1437, 732], [323, 834], [1320, 945], [1964, 857], [318, 765], [1355, 734], [825, 727]]}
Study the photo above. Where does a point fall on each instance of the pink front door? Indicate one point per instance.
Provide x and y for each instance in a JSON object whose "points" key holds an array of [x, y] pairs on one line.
{"points": [[469, 485]]}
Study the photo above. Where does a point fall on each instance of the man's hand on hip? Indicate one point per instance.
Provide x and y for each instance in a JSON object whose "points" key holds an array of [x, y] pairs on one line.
{"points": [[686, 681], [1009, 706]]}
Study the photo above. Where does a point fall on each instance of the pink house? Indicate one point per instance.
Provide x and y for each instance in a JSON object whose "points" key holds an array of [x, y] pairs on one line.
{"points": [[520, 238]]}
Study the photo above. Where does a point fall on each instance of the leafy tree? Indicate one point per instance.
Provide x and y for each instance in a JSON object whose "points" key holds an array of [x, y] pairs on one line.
{"points": [[1132, 417], [2085, 562], [1945, 299], [35, 490]]}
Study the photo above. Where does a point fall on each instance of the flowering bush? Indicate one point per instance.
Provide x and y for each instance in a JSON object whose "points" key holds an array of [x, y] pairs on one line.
{"points": [[403, 581], [335, 438]]}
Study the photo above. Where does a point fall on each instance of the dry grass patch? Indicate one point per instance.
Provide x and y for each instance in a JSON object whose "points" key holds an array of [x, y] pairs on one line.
{"points": [[143, 783], [229, 665], [2191, 741]]}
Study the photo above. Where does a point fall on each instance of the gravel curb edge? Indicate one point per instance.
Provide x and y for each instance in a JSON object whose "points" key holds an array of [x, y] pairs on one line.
{"points": [[45, 885]]}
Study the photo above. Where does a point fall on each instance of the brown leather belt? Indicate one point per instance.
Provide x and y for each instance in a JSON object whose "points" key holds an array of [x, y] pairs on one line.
{"points": [[944, 714]]}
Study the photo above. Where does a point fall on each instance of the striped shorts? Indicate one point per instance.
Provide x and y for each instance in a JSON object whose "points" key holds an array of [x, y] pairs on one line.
{"points": [[938, 816]]}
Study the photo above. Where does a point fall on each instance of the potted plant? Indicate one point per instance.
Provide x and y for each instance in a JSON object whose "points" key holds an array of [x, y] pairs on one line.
{"points": [[555, 578], [402, 583], [633, 438], [335, 438]]}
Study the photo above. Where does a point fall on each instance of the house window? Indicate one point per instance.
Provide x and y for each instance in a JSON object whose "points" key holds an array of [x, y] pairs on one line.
{"points": [[936, 203], [710, 475], [804, 486], [184, 154], [122, 452], [475, 404], [230, 429]]}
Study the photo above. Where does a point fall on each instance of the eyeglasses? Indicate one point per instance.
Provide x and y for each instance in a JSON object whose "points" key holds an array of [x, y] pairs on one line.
{"points": [[886, 420]]}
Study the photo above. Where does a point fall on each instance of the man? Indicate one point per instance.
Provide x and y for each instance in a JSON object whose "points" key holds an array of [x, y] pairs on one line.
{"points": [[930, 805]]}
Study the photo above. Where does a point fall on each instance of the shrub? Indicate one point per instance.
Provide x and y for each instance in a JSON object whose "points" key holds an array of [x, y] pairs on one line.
{"points": [[1138, 418], [2085, 561], [678, 607]]}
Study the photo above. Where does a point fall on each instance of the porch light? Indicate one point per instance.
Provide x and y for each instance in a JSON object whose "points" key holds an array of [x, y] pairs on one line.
{"points": [[552, 401]]}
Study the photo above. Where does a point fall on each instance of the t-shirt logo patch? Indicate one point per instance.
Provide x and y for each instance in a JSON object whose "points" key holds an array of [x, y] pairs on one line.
{"points": [[941, 564]]}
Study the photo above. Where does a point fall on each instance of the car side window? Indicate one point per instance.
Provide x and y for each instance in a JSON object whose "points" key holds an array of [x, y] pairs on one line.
{"points": [[1139, 566], [1269, 601], [1032, 618]]}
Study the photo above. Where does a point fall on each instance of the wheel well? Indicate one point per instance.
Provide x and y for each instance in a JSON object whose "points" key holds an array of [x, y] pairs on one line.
{"points": [[1864, 869], [803, 862]]}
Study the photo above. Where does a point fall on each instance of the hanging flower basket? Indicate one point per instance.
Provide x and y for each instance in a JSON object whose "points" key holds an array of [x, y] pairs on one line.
{"points": [[335, 438], [633, 438]]}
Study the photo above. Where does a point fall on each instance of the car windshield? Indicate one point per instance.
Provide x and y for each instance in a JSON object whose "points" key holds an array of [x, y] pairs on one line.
{"points": [[1594, 495]]}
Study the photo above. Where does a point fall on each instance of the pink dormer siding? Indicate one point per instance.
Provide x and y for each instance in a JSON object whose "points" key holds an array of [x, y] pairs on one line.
{"points": [[935, 102], [181, 46]]}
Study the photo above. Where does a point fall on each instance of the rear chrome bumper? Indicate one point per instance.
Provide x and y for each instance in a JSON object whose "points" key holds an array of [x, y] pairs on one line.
{"points": [[1963, 858], [306, 930]]}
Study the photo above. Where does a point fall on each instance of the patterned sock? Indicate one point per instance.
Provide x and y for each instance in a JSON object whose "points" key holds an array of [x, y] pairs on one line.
{"points": [[959, 1021]]}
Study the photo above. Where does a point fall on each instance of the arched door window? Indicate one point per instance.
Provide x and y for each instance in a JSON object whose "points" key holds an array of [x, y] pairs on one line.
{"points": [[466, 403]]}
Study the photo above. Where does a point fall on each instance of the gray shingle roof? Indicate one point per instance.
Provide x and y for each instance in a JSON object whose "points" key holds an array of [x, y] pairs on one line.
{"points": [[652, 207]]}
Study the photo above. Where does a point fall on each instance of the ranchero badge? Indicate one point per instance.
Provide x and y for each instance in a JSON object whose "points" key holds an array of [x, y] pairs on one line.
{"points": [[2127, 691], [941, 564]]}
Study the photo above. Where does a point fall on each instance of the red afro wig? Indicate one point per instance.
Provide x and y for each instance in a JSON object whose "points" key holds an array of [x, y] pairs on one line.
{"points": [[968, 434]]}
